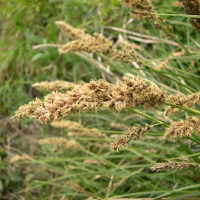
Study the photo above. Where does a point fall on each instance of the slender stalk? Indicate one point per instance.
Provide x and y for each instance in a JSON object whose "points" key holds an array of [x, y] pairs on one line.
{"points": [[176, 39], [149, 117], [193, 111]]}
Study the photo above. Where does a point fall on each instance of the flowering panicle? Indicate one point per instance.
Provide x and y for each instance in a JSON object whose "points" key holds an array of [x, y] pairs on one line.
{"points": [[75, 129], [178, 4], [99, 44], [93, 132], [73, 33], [170, 165], [121, 126], [143, 9], [69, 144], [192, 7], [131, 134], [188, 101], [66, 124], [92, 96], [18, 158], [29, 110], [128, 48], [94, 161], [183, 128], [60, 86]]}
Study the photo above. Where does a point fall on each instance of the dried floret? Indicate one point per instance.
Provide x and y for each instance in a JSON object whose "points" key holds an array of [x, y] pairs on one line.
{"points": [[170, 165], [60, 86], [183, 128], [131, 134], [92, 96]]}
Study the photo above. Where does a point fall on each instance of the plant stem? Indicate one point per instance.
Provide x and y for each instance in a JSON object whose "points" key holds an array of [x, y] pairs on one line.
{"points": [[149, 117], [176, 39], [195, 112]]}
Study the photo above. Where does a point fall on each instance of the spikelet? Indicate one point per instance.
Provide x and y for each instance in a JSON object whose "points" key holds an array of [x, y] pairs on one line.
{"points": [[188, 101], [143, 9], [67, 124], [75, 129], [60, 86], [90, 133], [28, 110], [73, 33], [92, 96], [183, 128], [121, 126], [131, 134], [170, 165], [98, 44], [192, 7], [71, 144], [18, 158], [94, 161], [178, 4]]}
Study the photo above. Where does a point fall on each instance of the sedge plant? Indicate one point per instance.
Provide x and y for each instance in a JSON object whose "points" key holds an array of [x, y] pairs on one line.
{"points": [[157, 91]]}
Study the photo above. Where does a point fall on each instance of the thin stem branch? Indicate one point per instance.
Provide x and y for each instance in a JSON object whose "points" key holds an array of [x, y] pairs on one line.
{"points": [[149, 117], [193, 111], [176, 39]]}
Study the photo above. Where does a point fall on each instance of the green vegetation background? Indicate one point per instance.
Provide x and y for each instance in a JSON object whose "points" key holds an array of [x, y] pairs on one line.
{"points": [[24, 24]]}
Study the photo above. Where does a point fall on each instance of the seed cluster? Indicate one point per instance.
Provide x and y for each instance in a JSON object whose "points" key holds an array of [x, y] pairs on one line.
{"points": [[143, 9], [69, 144], [183, 128], [60, 86], [170, 165], [98, 44], [92, 96], [73, 33], [76, 129], [131, 134], [188, 101], [192, 7]]}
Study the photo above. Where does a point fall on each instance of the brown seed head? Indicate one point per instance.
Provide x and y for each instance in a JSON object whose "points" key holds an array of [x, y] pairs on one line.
{"points": [[183, 128], [92, 96], [192, 7], [60, 86], [170, 165], [72, 32], [131, 134]]}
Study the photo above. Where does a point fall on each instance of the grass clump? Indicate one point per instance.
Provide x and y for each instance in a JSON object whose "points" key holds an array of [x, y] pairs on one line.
{"points": [[122, 91]]}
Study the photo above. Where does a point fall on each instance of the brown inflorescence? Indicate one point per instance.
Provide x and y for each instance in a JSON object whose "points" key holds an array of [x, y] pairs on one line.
{"points": [[133, 133], [76, 129], [92, 96], [170, 165], [90, 133], [188, 101], [178, 4], [69, 144], [66, 124], [183, 128], [143, 9], [60, 86], [93, 161], [121, 126], [98, 44], [18, 158], [73, 33], [192, 7]]}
